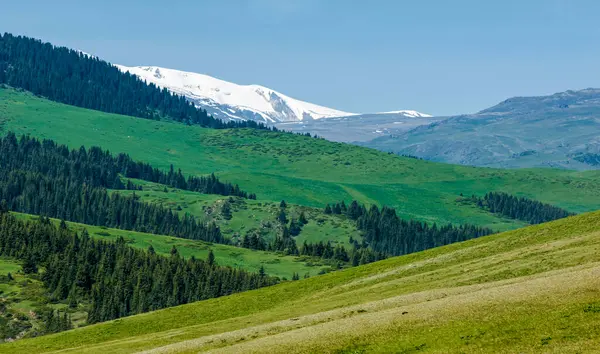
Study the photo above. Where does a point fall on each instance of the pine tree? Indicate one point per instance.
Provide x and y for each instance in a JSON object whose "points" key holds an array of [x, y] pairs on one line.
{"points": [[72, 299], [30, 265], [174, 252], [3, 207], [327, 209], [281, 217], [283, 204], [226, 211], [295, 228], [211, 258]]}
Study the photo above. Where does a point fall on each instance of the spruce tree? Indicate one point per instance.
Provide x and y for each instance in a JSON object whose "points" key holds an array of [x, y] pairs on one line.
{"points": [[226, 211], [211, 258], [281, 217], [29, 265]]}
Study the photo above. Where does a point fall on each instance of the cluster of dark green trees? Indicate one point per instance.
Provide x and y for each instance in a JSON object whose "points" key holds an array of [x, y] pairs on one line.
{"points": [[285, 243], [117, 279], [99, 168], [34, 193], [43, 178], [357, 255], [520, 208], [54, 321], [68, 76], [387, 233]]}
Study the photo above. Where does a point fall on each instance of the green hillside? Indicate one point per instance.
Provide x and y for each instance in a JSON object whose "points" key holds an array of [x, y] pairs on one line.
{"points": [[532, 289], [250, 215], [274, 264], [300, 169]]}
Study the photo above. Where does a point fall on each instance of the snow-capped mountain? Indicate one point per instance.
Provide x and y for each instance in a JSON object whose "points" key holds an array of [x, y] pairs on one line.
{"points": [[226, 100], [409, 114]]}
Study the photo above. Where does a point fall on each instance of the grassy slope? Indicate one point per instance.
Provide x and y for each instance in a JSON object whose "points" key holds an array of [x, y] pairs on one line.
{"points": [[298, 169], [19, 293], [26, 294], [533, 289], [275, 264], [249, 215]]}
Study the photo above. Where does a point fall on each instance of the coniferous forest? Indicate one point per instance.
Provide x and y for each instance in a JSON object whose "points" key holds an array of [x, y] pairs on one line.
{"points": [[387, 233], [68, 76], [98, 168], [117, 279], [520, 208], [47, 179]]}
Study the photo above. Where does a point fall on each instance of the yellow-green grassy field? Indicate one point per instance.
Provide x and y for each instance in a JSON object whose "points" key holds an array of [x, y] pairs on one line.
{"points": [[535, 289]]}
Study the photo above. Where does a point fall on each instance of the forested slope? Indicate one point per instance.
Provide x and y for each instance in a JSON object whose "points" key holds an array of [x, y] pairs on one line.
{"points": [[68, 76]]}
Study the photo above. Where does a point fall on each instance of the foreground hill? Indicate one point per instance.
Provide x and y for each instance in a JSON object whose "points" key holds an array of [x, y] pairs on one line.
{"points": [[560, 130], [299, 169], [533, 289]]}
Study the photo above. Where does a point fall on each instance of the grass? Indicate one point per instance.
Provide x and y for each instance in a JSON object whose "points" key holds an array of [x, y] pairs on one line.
{"points": [[528, 290], [274, 264], [250, 215], [22, 298], [301, 170]]}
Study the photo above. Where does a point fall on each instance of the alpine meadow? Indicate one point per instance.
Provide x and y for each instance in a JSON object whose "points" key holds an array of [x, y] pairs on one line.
{"points": [[153, 210]]}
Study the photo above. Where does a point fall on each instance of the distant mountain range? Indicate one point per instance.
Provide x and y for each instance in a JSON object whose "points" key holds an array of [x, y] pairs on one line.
{"points": [[229, 101], [361, 127], [560, 130]]}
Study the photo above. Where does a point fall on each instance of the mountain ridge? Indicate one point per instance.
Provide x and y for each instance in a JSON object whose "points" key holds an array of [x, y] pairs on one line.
{"points": [[230, 101], [541, 131]]}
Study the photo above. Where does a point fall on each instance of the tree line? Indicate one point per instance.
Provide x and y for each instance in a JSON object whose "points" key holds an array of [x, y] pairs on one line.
{"points": [[71, 77], [99, 168], [520, 208], [286, 244], [118, 280], [384, 231], [61, 198]]}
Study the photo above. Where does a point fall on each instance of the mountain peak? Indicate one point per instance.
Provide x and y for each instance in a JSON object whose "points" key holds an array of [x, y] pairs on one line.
{"points": [[559, 100], [228, 101]]}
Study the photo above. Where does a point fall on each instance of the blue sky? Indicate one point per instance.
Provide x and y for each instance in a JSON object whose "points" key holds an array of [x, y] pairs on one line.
{"points": [[440, 57]]}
